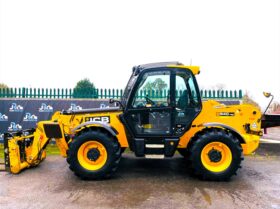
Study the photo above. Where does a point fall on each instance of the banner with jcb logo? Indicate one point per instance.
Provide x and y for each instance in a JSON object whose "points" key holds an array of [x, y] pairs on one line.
{"points": [[20, 114]]}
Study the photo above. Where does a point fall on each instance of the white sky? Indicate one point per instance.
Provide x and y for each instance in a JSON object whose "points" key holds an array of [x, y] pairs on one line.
{"points": [[55, 43]]}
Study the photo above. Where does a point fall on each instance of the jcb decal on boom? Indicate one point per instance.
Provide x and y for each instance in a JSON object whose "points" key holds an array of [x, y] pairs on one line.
{"points": [[103, 119]]}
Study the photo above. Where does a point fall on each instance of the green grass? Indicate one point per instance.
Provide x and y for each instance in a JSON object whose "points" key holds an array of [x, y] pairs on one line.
{"points": [[52, 149]]}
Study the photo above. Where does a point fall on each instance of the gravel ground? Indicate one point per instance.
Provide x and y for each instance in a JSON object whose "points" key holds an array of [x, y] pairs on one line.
{"points": [[142, 183]]}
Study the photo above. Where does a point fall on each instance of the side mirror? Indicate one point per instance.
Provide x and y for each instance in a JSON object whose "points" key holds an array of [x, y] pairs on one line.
{"points": [[267, 94], [117, 102]]}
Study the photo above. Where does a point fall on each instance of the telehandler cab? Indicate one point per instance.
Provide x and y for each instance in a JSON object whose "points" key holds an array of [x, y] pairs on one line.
{"points": [[171, 116]]}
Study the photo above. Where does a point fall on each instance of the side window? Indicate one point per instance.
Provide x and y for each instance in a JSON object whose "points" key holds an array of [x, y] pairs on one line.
{"points": [[186, 94], [149, 115], [186, 102], [182, 96], [193, 92], [153, 91]]}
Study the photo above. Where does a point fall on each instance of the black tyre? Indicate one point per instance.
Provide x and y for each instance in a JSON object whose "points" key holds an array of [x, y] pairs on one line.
{"points": [[94, 155], [215, 154]]}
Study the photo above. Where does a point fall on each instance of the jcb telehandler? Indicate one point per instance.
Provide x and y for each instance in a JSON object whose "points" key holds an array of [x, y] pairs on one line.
{"points": [[171, 116]]}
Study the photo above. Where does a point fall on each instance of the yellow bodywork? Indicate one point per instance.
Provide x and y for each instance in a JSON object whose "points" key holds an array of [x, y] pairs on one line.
{"points": [[35, 153], [242, 120], [215, 114], [71, 122], [195, 69]]}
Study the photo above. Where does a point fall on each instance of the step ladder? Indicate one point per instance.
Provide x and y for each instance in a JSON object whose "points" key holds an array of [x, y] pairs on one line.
{"points": [[155, 148]]}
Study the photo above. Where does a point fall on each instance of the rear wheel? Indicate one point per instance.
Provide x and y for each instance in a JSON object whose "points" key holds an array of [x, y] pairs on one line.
{"points": [[94, 155], [215, 155]]}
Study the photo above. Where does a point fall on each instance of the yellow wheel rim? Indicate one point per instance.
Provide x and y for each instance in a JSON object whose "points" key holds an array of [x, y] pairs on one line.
{"points": [[92, 155], [216, 157]]}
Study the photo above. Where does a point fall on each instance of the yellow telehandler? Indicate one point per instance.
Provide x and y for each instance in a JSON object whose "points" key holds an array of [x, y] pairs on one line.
{"points": [[170, 116]]}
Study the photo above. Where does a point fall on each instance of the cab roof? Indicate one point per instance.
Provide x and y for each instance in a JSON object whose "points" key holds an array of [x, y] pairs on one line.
{"points": [[137, 69]]}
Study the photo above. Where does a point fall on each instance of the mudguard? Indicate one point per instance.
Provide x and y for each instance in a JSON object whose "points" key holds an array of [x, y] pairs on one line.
{"points": [[109, 128], [226, 127]]}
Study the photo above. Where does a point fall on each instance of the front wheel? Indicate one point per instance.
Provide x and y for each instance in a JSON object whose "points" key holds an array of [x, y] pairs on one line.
{"points": [[94, 155], [215, 155]]}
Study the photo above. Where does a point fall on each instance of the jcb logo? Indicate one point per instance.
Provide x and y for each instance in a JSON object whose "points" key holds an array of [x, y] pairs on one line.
{"points": [[103, 119]]}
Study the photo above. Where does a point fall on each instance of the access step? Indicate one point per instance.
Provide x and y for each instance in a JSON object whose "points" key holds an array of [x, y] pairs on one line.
{"points": [[155, 148], [154, 156], [154, 145]]}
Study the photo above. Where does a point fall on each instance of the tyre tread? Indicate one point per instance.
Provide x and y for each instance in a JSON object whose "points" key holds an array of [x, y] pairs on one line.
{"points": [[96, 175], [209, 134]]}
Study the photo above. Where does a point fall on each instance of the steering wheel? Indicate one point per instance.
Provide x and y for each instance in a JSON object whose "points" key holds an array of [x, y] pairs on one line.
{"points": [[149, 101]]}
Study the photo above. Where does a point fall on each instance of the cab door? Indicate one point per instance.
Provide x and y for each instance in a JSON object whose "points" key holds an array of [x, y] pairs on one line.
{"points": [[149, 111], [187, 101], [163, 103]]}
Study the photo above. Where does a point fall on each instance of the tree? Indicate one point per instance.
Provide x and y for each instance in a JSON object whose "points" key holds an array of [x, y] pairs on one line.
{"points": [[3, 86], [85, 89], [247, 99], [8, 92], [157, 85]]}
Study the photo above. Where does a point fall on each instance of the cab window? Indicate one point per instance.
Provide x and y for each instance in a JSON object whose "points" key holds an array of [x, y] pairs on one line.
{"points": [[153, 91], [186, 94]]}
